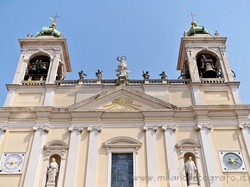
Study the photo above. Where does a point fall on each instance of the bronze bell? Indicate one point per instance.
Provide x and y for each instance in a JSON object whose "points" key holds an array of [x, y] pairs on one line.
{"points": [[43, 68], [209, 71], [32, 69]]}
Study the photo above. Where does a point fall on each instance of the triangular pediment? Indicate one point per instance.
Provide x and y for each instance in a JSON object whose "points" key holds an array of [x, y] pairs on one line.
{"points": [[121, 98]]}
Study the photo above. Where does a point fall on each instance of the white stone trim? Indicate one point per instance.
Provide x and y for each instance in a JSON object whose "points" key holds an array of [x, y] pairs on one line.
{"points": [[122, 144], [121, 150], [91, 172], [152, 170], [35, 157], [71, 168]]}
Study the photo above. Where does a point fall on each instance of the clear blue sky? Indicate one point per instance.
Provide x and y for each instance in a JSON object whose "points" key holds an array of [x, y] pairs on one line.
{"points": [[147, 32]]}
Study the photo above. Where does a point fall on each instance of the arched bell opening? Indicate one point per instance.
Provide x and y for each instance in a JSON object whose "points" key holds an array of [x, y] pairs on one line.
{"points": [[37, 68], [208, 65]]}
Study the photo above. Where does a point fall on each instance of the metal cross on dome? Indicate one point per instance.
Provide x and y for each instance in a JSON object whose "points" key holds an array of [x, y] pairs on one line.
{"points": [[53, 18], [192, 16]]}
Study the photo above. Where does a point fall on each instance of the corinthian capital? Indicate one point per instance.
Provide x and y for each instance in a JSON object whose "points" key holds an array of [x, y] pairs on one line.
{"points": [[150, 127], [77, 128], [41, 128], [3, 128], [204, 125], [169, 127], [94, 128], [243, 125]]}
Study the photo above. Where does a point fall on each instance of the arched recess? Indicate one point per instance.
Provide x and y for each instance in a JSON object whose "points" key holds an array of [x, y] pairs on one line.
{"points": [[55, 149], [117, 148], [189, 148]]}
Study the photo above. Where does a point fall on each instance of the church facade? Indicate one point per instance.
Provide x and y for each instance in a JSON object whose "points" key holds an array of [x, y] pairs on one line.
{"points": [[192, 131]]}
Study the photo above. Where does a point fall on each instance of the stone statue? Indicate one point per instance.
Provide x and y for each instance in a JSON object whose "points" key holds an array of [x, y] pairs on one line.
{"points": [[52, 171], [122, 67], [99, 74], [191, 171], [81, 75], [163, 75], [145, 75]]}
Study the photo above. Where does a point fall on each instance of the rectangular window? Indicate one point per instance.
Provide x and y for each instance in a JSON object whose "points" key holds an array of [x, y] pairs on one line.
{"points": [[122, 170]]}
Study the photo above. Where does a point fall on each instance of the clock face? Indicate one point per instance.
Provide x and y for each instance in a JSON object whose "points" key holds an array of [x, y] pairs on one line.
{"points": [[232, 161], [12, 163]]}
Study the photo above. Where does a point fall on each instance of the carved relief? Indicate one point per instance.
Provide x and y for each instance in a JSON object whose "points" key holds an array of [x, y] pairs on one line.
{"points": [[122, 103]]}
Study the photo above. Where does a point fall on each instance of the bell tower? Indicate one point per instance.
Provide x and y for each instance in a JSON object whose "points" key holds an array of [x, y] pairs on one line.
{"points": [[43, 60], [203, 60]]}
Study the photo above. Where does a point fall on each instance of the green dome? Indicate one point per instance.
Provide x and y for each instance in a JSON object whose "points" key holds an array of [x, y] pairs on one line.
{"points": [[50, 31], [196, 29]]}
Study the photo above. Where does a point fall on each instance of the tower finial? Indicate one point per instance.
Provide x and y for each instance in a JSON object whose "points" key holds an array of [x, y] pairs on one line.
{"points": [[53, 18], [193, 23]]}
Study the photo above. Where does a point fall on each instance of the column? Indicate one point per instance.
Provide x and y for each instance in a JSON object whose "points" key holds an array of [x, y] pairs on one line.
{"points": [[151, 155], [171, 153], [35, 157], [91, 172], [208, 152], [3, 129], [71, 168], [245, 128]]}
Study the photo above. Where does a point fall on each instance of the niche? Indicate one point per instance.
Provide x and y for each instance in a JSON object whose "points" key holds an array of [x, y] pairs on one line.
{"points": [[53, 170]]}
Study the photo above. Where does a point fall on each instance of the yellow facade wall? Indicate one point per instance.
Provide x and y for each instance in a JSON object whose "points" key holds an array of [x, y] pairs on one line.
{"points": [[229, 140], [16, 141]]}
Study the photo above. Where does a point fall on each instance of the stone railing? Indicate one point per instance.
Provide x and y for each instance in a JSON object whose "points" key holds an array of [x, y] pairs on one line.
{"points": [[129, 82], [114, 82], [212, 81], [33, 83]]}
